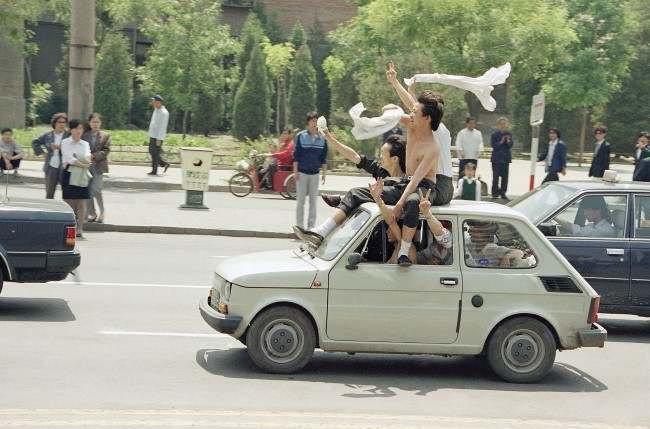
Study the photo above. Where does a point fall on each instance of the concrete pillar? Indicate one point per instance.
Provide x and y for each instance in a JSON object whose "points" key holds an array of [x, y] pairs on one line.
{"points": [[81, 87], [12, 83]]}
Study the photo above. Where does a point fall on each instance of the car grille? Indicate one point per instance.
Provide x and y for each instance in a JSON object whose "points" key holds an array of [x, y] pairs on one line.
{"points": [[560, 284]]}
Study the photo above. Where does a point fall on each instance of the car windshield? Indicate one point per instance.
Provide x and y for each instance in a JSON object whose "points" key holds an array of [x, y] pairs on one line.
{"points": [[341, 236], [534, 205]]}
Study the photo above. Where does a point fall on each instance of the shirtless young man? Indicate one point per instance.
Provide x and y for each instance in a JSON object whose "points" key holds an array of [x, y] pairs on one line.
{"points": [[422, 154]]}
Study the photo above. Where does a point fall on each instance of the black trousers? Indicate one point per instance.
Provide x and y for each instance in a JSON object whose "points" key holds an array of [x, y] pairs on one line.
{"points": [[442, 191], [15, 163], [461, 166], [156, 155], [551, 177], [500, 170]]}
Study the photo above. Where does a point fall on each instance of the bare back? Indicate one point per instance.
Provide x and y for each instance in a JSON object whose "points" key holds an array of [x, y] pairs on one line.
{"points": [[418, 144]]}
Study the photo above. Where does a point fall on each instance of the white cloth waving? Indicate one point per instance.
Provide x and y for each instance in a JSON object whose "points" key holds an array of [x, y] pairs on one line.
{"points": [[365, 128], [481, 86]]}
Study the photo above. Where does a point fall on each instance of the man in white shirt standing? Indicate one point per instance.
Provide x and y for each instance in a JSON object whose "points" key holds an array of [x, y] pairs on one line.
{"points": [[157, 133], [469, 145]]}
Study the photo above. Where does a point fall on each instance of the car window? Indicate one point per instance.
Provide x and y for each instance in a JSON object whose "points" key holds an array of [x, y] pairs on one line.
{"points": [[535, 204], [341, 236], [490, 244], [642, 216], [595, 216], [381, 247]]}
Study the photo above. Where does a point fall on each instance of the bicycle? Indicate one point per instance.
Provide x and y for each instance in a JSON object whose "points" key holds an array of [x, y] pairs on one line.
{"points": [[248, 180]]}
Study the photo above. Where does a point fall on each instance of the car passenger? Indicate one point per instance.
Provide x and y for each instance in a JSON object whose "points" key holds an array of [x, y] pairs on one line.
{"points": [[596, 213], [482, 251]]}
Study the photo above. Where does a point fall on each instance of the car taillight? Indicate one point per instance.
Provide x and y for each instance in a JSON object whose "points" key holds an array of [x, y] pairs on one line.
{"points": [[593, 310], [70, 236]]}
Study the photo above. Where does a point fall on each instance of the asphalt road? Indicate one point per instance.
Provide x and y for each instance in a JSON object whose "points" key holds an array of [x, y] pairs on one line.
{"points": [[123, 345]]}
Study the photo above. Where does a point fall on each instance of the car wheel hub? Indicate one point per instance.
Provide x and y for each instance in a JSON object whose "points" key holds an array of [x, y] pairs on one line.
{"points": [[523, 351], [282, 341]]}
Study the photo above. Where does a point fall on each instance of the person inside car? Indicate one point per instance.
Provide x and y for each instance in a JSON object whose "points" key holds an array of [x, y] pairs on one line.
{"points": [[598, 221], [482, 251]]}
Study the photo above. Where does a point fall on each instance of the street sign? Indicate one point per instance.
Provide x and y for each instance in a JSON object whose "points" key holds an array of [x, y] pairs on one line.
{"points": [[195, 167], [537, 109]]}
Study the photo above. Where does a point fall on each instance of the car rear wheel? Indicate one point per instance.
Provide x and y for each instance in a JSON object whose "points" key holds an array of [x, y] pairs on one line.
{"points": [[521, 350], [281, 340]]}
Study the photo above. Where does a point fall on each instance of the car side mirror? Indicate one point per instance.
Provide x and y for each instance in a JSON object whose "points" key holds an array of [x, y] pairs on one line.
{"points": [[354, 260], [548, 229]]}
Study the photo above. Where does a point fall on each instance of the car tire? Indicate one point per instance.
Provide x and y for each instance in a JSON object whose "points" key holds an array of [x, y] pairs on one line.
{"points": [[521, 350], [281, 340], [1, 280]]}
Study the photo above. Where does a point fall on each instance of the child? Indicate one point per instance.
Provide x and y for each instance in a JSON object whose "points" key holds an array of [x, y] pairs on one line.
{"points": [[469, 188]]}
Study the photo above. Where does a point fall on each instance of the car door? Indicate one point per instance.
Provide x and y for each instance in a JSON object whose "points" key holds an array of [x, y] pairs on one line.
{"points": [[640, 251], [379, 302], [601, 256]]}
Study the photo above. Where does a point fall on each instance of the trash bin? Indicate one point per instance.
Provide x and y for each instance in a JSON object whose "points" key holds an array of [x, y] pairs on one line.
{"points": [[195, 168]]}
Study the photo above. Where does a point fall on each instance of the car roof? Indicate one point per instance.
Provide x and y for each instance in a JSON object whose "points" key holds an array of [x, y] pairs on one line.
{"points": [[601, 185], [467, 208]]}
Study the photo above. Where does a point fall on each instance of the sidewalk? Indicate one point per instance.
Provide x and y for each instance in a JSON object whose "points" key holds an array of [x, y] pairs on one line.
{"points": [[139, 203]]}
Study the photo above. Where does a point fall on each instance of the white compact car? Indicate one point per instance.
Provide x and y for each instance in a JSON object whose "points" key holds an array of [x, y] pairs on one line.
{"points": [[498, 288]]}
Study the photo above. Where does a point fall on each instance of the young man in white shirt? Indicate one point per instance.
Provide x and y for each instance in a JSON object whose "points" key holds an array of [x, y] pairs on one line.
{"points": [[469, 145], [157, 133]]}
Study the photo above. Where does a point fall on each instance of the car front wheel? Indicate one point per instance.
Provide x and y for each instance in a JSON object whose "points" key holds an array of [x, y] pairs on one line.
{"points": [[521, 350], [281, 340]]}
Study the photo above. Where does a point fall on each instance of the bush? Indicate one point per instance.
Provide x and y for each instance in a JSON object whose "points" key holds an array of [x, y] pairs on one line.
{"points": [[113, 81], [252, 109], [302, 88]]}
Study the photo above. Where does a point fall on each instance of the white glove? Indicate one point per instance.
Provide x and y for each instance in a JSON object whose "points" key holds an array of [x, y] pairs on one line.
{"points": [[321, 124]]}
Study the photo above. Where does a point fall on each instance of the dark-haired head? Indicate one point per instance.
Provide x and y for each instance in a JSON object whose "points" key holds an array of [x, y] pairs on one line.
{"points": [[556, 131], [74, 123], [60, 117], [600, 130], [311, 115], [395, 148], [7, 130], [431, 107]]}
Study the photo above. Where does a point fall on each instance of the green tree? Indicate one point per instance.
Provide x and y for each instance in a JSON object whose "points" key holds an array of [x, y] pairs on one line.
{"points": [[302, 88], [270, 22], [252, 109], [188, 51], [320, 49], [279, 59], [298, 36], [113, 80], [40, 95], [209, 115], [251, 36]]}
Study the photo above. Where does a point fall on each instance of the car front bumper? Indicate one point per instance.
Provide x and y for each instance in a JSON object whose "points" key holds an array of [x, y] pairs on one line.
{"points": [[220, 322], [593, 337]]}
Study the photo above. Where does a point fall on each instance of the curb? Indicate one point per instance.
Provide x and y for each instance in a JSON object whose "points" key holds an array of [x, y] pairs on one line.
{"points": [[145, 229]]}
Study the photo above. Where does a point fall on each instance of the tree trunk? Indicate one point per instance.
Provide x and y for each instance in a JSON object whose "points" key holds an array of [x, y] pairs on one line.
{"points": [[12, 103], [278, 94], [81, 80], [583, 135], [185, 115]]}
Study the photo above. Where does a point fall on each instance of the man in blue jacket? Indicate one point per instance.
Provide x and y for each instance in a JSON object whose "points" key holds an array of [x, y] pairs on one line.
{"points": [[554, 157], [600, 161], [309, 159], [502, 142]]}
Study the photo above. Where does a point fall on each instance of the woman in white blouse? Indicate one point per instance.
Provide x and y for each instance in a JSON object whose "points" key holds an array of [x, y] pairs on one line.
{"points": [[75, 158]]}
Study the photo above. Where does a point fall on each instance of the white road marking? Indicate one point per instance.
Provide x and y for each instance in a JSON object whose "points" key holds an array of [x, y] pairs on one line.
{"points": [[163, 334], [107, 284], [221, 257], [269, 419]]}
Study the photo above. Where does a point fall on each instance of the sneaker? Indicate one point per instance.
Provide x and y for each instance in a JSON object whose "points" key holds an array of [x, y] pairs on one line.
{"points": [[308, 237], [152, 174], [331, 200], [404, 261], [166, 167]]}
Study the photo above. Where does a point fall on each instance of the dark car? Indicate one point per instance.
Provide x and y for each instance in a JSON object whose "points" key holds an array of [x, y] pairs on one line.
{"points": [[37, 241], [603, 230]]}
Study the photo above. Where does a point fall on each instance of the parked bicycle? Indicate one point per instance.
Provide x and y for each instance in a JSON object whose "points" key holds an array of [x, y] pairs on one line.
{"points": [[248, 179]]}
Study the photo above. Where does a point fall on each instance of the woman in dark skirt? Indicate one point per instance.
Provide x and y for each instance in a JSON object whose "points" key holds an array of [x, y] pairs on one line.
{"points": [[75, 157]]}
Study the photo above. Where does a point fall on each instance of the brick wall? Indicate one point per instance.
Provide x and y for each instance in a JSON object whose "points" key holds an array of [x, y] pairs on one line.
{"points": [[331, 13]]}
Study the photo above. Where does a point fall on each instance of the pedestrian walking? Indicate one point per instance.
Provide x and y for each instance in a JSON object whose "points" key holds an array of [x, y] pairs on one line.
{"points": [[554, 157], [157, 134], [10, 152], [100, 146], [75, 177], [501, 142], [600, 161], [309, 158], [469, 145], [50, 142]]}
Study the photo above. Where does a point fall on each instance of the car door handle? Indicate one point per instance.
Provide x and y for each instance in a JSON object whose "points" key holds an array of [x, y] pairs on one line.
{"points": [[616, 252], [448, 281]]}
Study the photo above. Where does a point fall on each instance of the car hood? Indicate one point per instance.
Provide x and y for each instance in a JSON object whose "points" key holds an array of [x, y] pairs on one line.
{"points": [[279, 269]]}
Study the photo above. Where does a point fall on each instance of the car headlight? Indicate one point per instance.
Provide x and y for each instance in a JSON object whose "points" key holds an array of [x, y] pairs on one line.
{"points": [[223, 286], [226, 291]]}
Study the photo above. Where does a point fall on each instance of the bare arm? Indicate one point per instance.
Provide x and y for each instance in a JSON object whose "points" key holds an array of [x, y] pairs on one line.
{"points": [[425, 165], [347, 152], [407, 99], [386, 213]]}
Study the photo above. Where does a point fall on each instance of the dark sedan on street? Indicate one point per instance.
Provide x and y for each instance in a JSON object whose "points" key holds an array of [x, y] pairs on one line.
{"points": [[603, 229], [37, 241]]}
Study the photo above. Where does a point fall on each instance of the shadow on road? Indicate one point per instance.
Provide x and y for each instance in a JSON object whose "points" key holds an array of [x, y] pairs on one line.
{"points": [[377, 376], [627, 330], [35, 310]]}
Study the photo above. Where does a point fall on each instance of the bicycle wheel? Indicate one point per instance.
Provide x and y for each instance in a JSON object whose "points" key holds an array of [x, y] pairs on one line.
{"points": [[240, 185], [289, 188]]}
